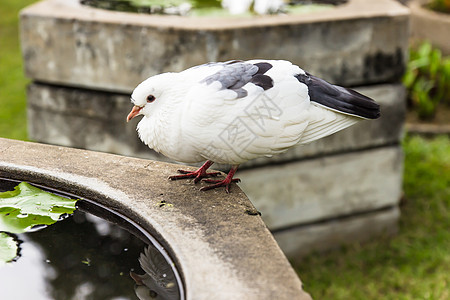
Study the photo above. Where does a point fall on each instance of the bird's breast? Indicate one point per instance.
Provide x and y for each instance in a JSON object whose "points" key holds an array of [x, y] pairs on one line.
{"points": [[165, 136]]}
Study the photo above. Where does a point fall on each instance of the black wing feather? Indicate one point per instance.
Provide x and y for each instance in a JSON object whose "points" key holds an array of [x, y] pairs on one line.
{"points": [[263, 81], [263, 67], [339, 98]]}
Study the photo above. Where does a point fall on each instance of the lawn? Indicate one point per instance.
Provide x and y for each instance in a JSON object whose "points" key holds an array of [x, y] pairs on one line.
{"points": [[12, 81], [413, 265]]}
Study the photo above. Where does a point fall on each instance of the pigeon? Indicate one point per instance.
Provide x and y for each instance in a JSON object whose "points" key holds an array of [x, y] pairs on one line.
{"points": [[234, 111]]}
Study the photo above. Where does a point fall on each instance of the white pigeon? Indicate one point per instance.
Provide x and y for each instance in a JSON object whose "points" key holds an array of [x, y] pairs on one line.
{"points": [[235, 111]]}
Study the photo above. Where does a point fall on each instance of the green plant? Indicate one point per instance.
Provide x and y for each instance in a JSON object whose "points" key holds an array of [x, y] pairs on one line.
{"points": [[427, 79], [13, 117], [24, 208]]}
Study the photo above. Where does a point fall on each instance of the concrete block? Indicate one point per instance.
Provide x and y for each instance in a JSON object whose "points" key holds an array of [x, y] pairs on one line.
{"points": [[299, 241], [317, 189], [359, 43]]}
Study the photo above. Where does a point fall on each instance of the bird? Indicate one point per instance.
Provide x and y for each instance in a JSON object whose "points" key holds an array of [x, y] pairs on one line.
{"points": [[234, 111]]}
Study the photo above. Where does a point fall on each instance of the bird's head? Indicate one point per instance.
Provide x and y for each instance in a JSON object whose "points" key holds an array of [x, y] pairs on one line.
{"points": [[147, 95]]}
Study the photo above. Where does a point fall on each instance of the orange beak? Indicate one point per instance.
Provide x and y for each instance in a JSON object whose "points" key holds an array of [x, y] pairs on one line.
{"points": [[134, 112]]}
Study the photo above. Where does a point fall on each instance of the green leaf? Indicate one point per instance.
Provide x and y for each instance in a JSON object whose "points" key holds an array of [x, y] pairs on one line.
{"points": [[8, 248], [425, 49], [419, 62], [435, 62], [409, 78], [28, 206]]}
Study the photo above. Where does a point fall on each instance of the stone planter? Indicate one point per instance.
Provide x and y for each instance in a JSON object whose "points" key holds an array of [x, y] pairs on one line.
{"points": [[429, 25], [222, 251], [84, 62]]}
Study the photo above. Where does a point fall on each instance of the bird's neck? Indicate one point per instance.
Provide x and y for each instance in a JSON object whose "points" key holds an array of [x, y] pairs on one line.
{"points": [[162, 128]]}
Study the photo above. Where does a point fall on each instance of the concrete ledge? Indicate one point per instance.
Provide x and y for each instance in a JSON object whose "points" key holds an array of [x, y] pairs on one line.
{"points": [[221, 251], [361, 42]]}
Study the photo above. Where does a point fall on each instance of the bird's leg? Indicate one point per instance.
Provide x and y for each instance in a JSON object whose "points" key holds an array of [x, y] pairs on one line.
{"points": [[197, 175], [219, 183]]}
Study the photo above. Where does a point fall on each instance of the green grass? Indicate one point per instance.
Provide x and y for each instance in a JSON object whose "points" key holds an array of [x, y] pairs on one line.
{"points": [[13, 121], [415, 264]]}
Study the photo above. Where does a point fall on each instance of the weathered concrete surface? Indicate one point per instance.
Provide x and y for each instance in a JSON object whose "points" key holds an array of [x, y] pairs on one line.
{"points": [[428, 25], [222, 252], [299, 241], [359, 43], [70, 117], [332, 186]]}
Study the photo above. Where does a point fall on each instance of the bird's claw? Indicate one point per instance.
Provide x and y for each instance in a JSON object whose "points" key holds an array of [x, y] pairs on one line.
{"points": [[219, 183], [190, 174]]}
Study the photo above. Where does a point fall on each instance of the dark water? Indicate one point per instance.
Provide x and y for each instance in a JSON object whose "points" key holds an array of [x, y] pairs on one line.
{"points": [[87, 257]]}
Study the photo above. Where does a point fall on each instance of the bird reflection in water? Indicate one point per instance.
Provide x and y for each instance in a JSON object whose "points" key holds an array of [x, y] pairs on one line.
{"points": [[159, 281]]}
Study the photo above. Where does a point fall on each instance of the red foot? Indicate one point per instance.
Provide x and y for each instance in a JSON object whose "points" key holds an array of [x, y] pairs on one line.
{"points": [[220, 183], [198, 175]]}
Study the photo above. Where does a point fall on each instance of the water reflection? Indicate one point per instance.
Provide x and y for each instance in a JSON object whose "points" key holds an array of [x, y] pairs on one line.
{"points": [[87, 257], [159, 281]]}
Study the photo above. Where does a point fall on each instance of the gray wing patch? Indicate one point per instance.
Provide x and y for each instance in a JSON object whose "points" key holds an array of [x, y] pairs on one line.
{"points": [[235, 74]]}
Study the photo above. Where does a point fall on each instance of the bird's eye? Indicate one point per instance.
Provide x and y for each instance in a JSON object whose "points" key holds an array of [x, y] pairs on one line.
{"points": [[150, 98]]}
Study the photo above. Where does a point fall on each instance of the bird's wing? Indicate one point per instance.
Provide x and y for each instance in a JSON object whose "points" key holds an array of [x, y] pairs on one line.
{"points": [[324, 122], [235, 74], [274, 105], [159, 277], [154, 264], [267, 121]]}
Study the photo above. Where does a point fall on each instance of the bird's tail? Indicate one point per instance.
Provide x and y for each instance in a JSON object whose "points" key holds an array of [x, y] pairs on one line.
{"points": [[339, 99]]}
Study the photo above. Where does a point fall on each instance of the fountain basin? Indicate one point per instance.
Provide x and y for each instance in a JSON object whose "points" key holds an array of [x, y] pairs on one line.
{"points": [[222, 249]]}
